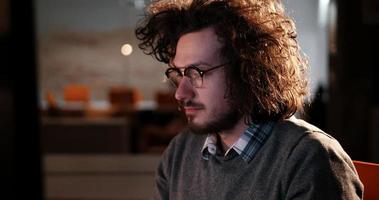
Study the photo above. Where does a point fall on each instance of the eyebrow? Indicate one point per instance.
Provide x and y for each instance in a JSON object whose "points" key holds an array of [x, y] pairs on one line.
{"points": [[171, 64]]}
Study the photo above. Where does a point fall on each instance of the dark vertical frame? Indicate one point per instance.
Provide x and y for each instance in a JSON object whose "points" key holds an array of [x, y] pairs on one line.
{"points": [[23, 112], [352, 70], [6, 111]]}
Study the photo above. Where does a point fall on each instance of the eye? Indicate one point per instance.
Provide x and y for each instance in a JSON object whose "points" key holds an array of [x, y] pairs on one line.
{"points": [[193, 73], [173, 72]]}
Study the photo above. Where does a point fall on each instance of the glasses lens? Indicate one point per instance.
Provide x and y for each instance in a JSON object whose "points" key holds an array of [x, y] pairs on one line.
{"points": [[194, 75], [174, 76]]}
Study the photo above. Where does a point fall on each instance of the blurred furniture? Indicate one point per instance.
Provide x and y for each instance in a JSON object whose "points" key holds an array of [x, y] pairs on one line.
{"points": [[76, 99], [85, 135], [123, 96], [76, 93], [51, 100], [120, 126], [369, 175], [166, 100], [52, 107], [159, 127], [99, 177]]}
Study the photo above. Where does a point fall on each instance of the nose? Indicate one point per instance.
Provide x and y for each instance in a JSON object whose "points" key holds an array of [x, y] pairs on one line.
{"points": [[185, 90]]}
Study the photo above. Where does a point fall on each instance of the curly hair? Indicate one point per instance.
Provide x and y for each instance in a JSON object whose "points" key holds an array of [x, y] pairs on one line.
{"points": [[266, 75]]}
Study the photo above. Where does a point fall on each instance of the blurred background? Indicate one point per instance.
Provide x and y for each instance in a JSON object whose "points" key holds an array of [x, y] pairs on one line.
{"points": [[85, 114]]}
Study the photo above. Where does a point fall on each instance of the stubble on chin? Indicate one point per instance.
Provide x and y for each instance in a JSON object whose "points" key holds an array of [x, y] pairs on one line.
{"points": [[217, 123]]}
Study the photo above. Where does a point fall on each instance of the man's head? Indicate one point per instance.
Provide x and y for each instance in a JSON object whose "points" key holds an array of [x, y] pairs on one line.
{"points": [[201, 93], [258, 69]]}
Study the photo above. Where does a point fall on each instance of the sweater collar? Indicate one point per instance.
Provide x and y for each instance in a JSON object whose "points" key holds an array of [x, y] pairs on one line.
{"points": [[247, 146]]}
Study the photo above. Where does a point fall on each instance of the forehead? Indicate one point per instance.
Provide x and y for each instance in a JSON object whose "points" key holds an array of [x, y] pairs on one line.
{"points": [[199, 46]]}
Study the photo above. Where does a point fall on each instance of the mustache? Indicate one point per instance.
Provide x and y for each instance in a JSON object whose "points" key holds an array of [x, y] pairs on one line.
{"points": [[183, 104]]}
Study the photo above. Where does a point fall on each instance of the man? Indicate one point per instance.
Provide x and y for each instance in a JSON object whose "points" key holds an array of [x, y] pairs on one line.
{"points": [[239, 78]]}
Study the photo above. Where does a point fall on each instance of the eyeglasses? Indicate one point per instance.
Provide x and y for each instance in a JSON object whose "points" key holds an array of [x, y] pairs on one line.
{"points": [[193, 72]]}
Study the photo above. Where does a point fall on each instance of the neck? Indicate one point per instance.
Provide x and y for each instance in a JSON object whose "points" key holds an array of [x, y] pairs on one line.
{"points": [[229, 137]]}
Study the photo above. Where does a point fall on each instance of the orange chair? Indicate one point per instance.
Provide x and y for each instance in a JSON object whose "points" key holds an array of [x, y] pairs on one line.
{"points": [[76, 93], [369, 175]]}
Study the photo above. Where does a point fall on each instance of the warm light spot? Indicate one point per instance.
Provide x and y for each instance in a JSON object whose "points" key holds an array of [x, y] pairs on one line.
{"points": [[126, 49]]}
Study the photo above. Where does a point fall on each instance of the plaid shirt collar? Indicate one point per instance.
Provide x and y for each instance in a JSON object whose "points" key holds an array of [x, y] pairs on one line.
{"points": [[246, 146]]}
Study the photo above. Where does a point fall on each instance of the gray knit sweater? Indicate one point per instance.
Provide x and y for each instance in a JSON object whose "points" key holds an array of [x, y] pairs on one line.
{"points": [[298, 161]]}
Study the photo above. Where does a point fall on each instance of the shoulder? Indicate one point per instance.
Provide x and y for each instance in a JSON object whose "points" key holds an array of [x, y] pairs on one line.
{"points": [[304, 145], [297, 133], [295, 140], [298, 127], [314, 149], [316, 160]]}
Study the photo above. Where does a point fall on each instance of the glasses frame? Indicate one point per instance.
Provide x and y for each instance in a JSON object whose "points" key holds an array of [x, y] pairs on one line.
{"points": [[186, 70]]}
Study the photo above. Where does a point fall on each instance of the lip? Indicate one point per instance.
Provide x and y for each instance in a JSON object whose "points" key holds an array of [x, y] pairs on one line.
{"points": [[191, 110]]}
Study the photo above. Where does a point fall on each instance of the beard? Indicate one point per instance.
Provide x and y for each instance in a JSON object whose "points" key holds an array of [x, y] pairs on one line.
{"points": [[218, 122]]}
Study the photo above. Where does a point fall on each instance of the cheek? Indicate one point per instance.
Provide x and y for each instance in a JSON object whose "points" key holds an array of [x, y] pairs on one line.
{"points": [[213, 96], [214, 101]]}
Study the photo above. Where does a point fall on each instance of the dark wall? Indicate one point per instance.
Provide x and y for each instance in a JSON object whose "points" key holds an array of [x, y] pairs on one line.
{"points": [[353, 89], [18, 96]]}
